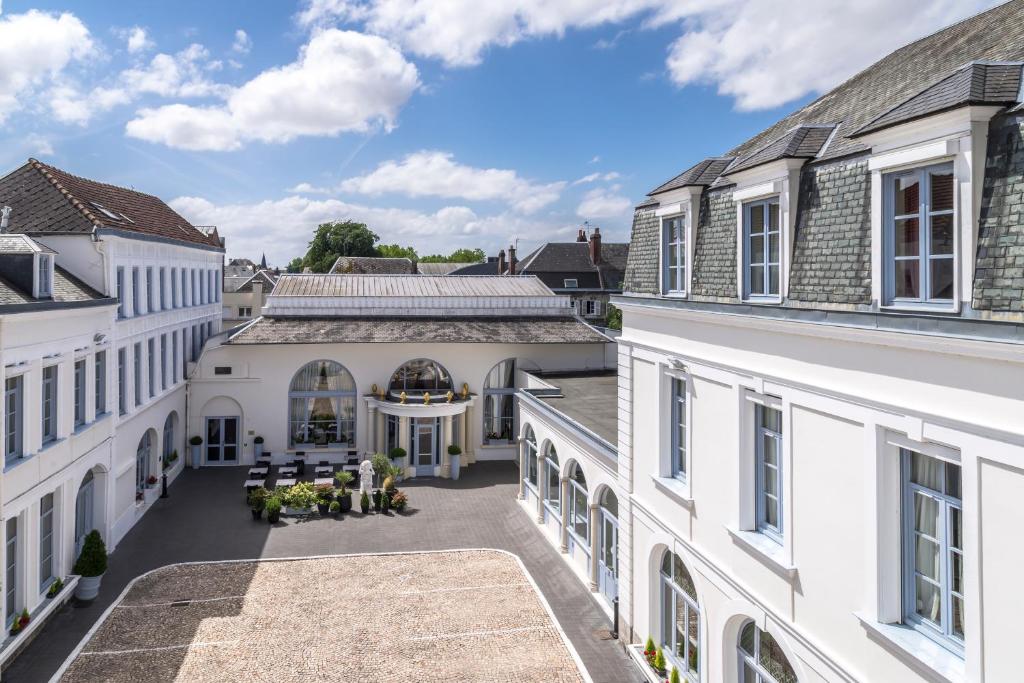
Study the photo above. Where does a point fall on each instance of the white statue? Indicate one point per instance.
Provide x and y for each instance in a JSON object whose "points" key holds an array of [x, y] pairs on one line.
{"points": [[366, 477]]}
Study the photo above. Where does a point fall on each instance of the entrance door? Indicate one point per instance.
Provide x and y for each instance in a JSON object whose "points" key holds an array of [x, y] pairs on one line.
{"points": [[424, 443], [221, 440], [608, 559], [83, 512]]}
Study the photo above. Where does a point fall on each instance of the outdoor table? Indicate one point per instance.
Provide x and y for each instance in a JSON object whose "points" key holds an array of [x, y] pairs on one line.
{"points": [[253, 483], [324, 469], [323, 480], [258, 470], [285, 482], [287, 470], [263, 461], [350, 468]]}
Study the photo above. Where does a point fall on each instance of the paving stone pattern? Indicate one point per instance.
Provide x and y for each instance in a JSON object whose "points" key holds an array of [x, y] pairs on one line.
{"points": [[447, 616]]}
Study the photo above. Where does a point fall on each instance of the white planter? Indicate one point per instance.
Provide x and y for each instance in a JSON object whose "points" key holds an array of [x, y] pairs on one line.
{"points": [[455, 462], [258, 448], [88, 587], [195, 456]]}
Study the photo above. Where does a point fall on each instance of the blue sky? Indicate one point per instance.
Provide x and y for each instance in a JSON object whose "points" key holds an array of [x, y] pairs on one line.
{"points": [[441, 124]]}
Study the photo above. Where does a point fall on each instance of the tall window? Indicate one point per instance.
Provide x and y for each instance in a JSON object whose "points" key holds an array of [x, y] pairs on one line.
{"points": [[678, 436], [530, 439], [500, 403], [761, 660], [163, 288], [150, 290], [45, 277], [79, 393], [195, 286], [120, 292], [49, 403], [151, 359], [322, 406], [169, 435], [184, 353], [122, 381], [163, 362], [184, 286], [13, 413], [919, 236], [45, 541], [420, 376], [391, 438], [196, 344], [100, 364], [579, 513], [761, 237], [673, 242], [136, 293], [174, 288], [680, 613], [138, 373], [142, 454], [769, 471], [174, 357], [11, 571], [933, 571], [553, 487]]}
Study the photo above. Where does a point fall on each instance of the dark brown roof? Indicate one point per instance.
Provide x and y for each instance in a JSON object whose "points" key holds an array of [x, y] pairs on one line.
{"points": [[419, 330], [46, 199]]}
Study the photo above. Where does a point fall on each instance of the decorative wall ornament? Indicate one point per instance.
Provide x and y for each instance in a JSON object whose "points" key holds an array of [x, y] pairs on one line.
{"points": [[465, 391], [402, 396], [450, 395], [426, 398]]}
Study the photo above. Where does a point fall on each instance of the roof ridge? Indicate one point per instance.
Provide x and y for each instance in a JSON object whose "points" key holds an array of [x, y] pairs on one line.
{"points": [[94, 182], [44, 170]]}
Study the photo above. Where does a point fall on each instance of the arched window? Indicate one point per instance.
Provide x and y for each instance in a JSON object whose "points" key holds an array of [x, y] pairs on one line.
{"points": [[579, 515], [530, 440], [761, 659], [322, 406], [553, 488], [169, 425], [499, 402], [142, 454], [680, 613], [420, 376]]}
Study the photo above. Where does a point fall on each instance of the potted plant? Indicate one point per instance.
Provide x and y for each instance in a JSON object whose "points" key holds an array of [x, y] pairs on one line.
{"points": [[257, 445], [91, 565], [20, 622], [335, 508], [385, 501], [376, 500], [300, 498], [324, 497], [381, 466], [258, 501], [151, 481], [364, 503], [273, 507], [397, 456], [344, 497], [55, 588], [195, 442], [659, 662], [650, 651], [399, 501], [674, 678], [454, 460]]}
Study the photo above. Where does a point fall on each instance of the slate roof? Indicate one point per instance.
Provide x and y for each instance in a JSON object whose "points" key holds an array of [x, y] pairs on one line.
{"points": [[555, 262], [702, 174], [566, 330], [977, 83], [801, 142], [46, 199], [264, 276], [443, 268], [373, 265], [334, 285], [66, 289], [488, 267], [14, 243]]}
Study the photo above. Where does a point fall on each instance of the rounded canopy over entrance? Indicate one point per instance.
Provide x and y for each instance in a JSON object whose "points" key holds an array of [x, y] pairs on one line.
{"points": [[420, 376]]}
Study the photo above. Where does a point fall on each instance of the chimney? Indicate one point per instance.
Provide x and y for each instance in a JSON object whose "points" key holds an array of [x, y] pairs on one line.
{"points": [[5, 214], [501, 262], [512, 260], [595, 246], [581, 236]]}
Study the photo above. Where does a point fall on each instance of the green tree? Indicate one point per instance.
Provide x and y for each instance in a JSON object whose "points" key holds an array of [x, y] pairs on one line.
{"points": [[614, 318], [340, 238], [457, 256], [295, 265], [397, 251]]}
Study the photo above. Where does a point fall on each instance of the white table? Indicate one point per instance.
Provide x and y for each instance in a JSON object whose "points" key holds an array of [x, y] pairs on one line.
{"points": [[350, 468], [253, 483], [323, 480], [324, 469], [285, 482], [258, 470], [287, 470]]}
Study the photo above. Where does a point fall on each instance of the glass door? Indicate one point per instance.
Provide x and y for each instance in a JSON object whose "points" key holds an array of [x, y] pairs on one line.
{"points": [[608, 561], [83, 512], [221, 440], [425, 446]]}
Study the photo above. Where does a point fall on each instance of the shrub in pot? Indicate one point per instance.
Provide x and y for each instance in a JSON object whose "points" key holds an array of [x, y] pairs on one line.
{"points": [[91, 565], [195, 442], [399, 501], [674, 678], [335, 508], [257, 445], [454, 460], [364, 503], [258, 501], [324, 497], [344, 497], [381, 465], [301, 497], [385, 502], [376, 499], [55, 588], [273, 510]]}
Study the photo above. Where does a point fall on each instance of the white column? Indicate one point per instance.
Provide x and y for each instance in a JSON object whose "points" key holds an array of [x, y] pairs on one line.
{"points": [[594, 529], [403, 440], [446, 440], [564, 510], [371, 422], [522, 470]]}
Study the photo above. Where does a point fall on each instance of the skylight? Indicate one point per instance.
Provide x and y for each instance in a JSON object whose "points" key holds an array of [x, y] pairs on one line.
{"points": [[110, 214]]}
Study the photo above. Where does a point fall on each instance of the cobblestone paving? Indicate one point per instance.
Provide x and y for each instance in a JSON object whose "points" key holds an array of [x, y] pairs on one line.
{"points": [[446, 616]]}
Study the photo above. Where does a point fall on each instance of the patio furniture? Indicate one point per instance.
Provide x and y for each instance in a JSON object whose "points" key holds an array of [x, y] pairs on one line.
{"points": [[286, 470], [251, 485], [258, 472], [264, 461], [300, 467], [324, 469], [323, 480], [284, 483]]}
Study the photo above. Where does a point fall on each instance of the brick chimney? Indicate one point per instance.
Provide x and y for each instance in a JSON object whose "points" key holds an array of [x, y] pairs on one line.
{"points": [[595, 246], [581, 236], [512, 262], [501, 262]]}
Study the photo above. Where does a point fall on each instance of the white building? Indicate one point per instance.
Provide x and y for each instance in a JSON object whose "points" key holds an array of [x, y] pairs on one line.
{"points": [[94, 371], [821, 444]]}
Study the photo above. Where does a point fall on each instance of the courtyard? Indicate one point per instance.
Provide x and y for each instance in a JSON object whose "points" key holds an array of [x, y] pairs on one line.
{"points": [[205, 520], [455, 615]]}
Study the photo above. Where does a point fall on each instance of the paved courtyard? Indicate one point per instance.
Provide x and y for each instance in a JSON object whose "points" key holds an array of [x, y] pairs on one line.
{"points": [[205, 519], [431, 617]]}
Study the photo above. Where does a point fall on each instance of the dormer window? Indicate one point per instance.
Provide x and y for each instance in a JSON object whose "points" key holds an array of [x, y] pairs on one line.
{"points": [[570, 283], [673, 240], [761, 241], [44, 276]]}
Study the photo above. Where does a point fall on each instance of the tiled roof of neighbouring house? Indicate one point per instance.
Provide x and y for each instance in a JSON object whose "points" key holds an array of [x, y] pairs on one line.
{"points": [[46, 199], [66, 289], [519, 330], [372, 265], [555, 262], [442, 268], [265, 276]]}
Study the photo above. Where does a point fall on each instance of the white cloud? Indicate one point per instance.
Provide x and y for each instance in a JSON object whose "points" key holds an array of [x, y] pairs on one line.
{"points": [[178, 75], [343, 81], [604, 202], [242, 44], [597, 177], [435, 174], [35, 48], [137, 39], [70, 105], [39, 145]]}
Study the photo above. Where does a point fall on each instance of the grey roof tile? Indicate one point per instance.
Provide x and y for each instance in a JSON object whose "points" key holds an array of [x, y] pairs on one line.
{"points": [[334, 285], [372, 265], [703, 173], [66, 289], [802, 142]]}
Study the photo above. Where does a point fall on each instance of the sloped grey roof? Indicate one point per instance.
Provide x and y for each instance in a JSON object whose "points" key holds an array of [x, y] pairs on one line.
{"points": [[703, 173], [66, 289], [419, 330], [488, 267], [553, 262], [977, 83], [265, 276], [802, 142], [334, 285], [372, 265], [22, 244], [443, 268]]}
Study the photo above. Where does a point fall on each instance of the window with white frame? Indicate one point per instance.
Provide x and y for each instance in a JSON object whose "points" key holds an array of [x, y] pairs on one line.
{"points": [[174, 287], [919, 236], [174, 357], [322, 406], [391, 437], [11, 596], [530, 442], [768, 472], [45, 542], [677, 437], [579, 513], [120, 293], [761, 659], [14, 415], [184, 286], [592, 307], [150, 290], [49, 404], [245, 311], [142, 456], [122, 381], [138, 373], [163, 362], [553, 484], [100, 364], [673, 244], [45, 277], [136, 293], [933, 555], [762, 239], [680, 614], [500, 402], [163, 288], [151, 364], [570, 283], [79, 392]]}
